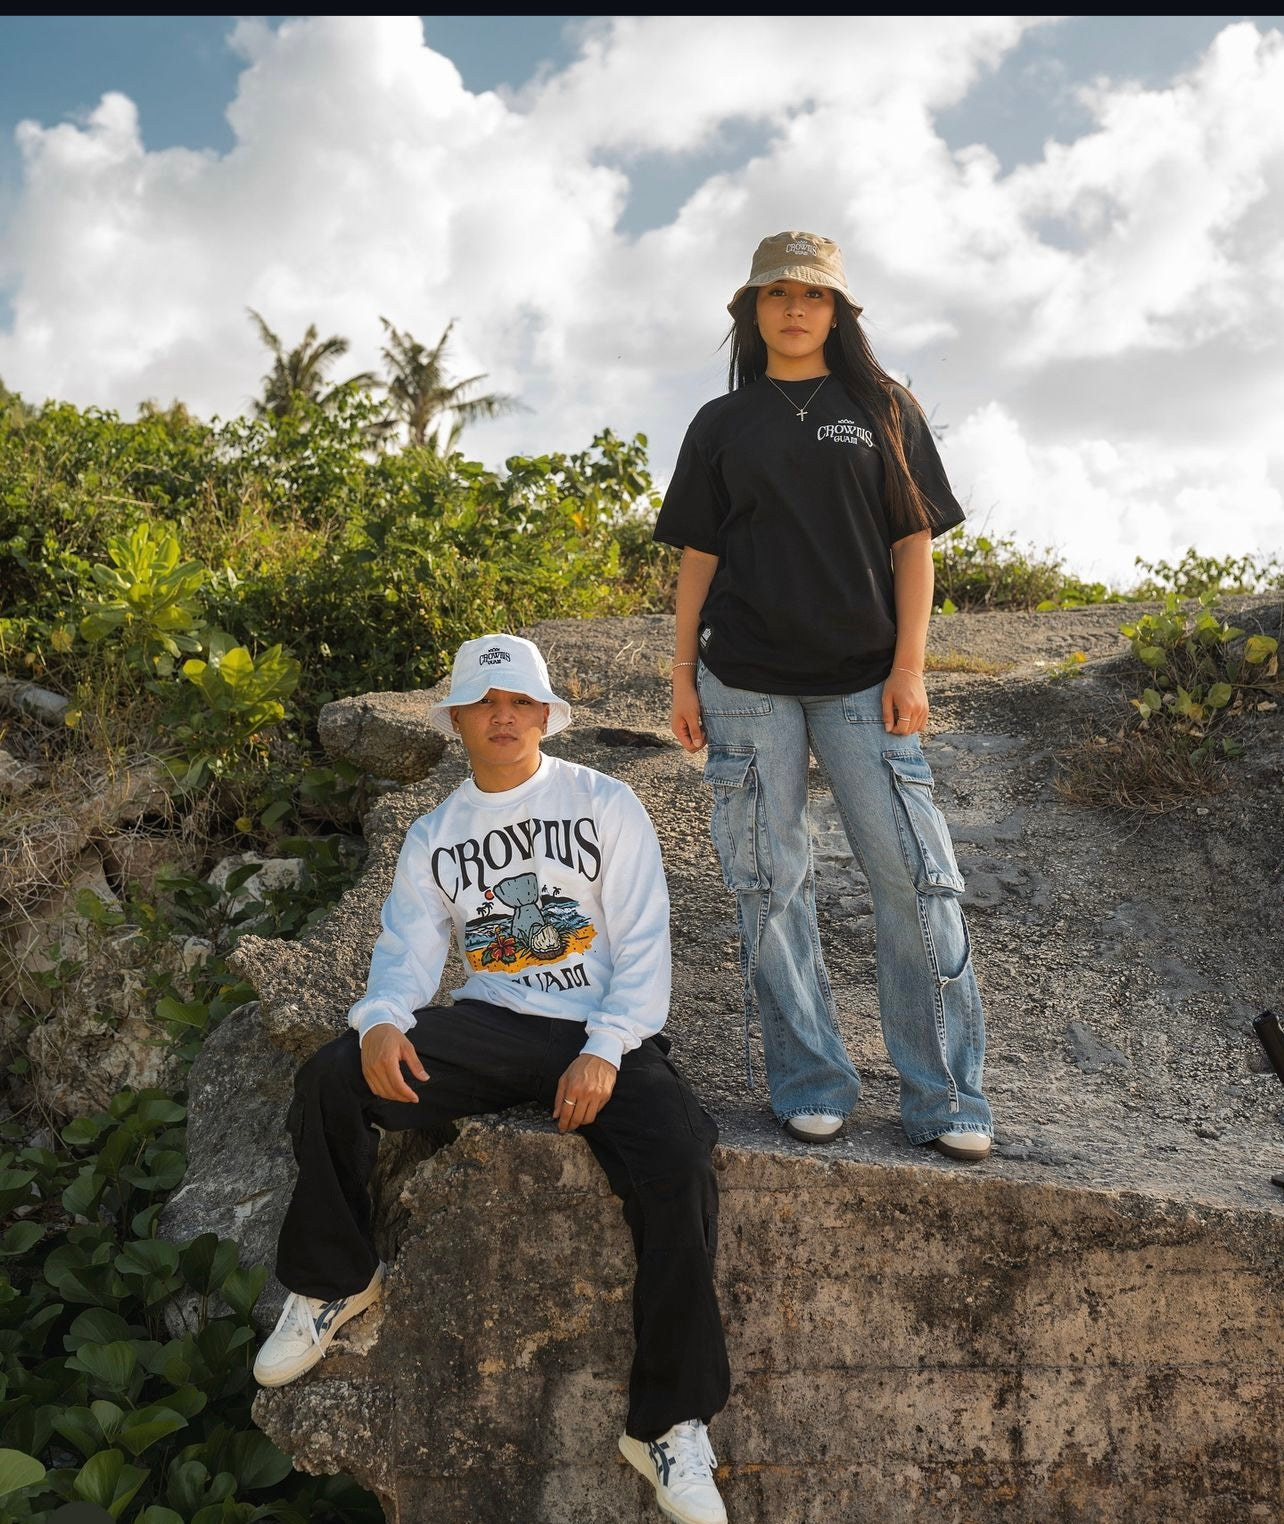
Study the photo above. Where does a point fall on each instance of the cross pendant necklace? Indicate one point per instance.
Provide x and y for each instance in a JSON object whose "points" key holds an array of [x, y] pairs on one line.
{"points": [[801, 411]]}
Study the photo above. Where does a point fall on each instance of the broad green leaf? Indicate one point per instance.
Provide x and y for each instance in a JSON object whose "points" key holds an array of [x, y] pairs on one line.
{"points": [[108, 1417], [97, 1326], [81, 1132], [1219, 695], [275, 811], [191, 1014], [242, 1288], [109, 1365], [80, 1428], [21, 1239], [82, 1196], [148, 1256], [15, 1189], [187, 1400], [1153, 656], [159, 1111], [255, 1460], [162, 1169], [1260, 648], [109, 1482], [147, 1426], [207, 1262], [18, 1470]]}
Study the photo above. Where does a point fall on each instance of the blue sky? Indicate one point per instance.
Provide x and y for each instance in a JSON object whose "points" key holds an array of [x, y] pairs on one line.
{"points": [[1065, 231]]}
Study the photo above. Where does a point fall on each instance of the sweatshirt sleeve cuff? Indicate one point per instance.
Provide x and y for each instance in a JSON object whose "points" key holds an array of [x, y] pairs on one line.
{"points": [[379, 1017], [605, 1045]]}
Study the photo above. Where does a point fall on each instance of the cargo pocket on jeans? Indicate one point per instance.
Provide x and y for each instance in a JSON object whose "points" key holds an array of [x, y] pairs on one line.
{"points": [[731, 775], [925, 838]]}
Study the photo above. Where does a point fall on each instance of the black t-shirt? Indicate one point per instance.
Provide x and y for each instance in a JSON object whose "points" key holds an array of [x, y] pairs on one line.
{"points": [[803, 598]]}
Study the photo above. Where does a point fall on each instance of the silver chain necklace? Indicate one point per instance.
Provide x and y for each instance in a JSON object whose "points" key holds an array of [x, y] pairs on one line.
{"points": [[801, 411]]}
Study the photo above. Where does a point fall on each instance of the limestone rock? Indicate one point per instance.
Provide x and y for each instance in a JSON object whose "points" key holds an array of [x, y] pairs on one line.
{"points": [[52, 932], [16, 778], [238, 1091], [102, 1034], [30, 699], [384, 734], [906, 1343]]}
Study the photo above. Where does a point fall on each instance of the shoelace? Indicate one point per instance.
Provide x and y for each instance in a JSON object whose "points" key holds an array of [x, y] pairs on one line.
{"points": [[298, 1310], [692, 1450]]}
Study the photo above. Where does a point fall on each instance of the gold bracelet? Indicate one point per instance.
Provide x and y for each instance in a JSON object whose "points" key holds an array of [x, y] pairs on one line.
{"points": [[685, 664], [907, 669]]}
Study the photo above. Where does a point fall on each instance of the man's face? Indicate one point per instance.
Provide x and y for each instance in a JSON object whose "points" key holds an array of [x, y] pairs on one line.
{"points": [[501, 734]]}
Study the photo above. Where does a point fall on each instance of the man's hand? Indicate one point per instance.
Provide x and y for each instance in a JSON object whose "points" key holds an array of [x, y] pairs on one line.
{"points": [[383, 1051], [582, 1091]]}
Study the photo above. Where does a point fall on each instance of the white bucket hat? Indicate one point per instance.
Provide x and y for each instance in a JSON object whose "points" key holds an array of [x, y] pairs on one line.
{"points": [[499, 661]]}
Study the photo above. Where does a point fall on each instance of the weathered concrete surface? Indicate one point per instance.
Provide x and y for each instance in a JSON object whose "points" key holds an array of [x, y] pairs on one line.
{"points": [[1118, 1358], [908, 1342]]}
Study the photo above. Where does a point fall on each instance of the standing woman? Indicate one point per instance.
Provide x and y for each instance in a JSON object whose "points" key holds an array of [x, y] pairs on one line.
{"points": [[805, 502]]}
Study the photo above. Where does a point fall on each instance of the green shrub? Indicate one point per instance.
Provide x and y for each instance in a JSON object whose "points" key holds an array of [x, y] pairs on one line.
{"points": [[1194, 575], [103, 1403], [1204, 675], [974, 572], [1204, 672]]}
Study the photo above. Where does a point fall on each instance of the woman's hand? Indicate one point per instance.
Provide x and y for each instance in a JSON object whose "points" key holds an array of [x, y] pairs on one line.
{"points": [[904, 703], [685, 717]]}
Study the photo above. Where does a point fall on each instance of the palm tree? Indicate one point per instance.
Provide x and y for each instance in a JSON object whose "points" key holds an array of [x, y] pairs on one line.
{"points": [[300, 372], [422, 394]]}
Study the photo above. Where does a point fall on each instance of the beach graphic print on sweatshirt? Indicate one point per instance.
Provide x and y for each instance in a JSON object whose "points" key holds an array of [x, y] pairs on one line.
{"points": [[544, 926]]}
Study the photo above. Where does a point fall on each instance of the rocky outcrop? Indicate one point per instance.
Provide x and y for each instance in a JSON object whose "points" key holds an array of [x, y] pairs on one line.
{"points": [[1084, 1328], [908, 1343], [384, 734]]}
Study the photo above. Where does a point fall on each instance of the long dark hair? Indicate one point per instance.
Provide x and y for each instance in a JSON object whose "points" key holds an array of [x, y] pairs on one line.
{"points": [[849, 357]]}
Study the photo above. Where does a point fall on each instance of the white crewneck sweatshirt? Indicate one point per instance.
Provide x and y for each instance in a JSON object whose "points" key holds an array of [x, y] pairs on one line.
{"points": [[555, 894]]}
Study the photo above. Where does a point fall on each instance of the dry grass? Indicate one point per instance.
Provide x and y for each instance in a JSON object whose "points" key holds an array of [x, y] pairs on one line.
{"points": [[958, 661], [1138, 772]]}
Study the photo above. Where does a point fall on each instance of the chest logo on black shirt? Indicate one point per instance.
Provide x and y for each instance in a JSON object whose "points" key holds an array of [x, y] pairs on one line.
{"points": [[846, 432]]}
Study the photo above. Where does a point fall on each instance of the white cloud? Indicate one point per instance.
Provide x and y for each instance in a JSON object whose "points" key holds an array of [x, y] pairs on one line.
{"points": [[1102, 503], [1101, 329]]}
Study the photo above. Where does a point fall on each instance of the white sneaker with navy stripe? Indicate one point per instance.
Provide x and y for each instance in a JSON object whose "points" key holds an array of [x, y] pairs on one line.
{"points": [[680, 1466], [304, 1330]]}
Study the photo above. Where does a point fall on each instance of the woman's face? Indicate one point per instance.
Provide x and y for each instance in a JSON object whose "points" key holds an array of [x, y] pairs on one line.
{"points": [[794, 320]]}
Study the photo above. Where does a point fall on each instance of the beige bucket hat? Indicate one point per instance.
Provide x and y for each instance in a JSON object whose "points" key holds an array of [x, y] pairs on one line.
{"points": [[499, 661], [798, 256]]}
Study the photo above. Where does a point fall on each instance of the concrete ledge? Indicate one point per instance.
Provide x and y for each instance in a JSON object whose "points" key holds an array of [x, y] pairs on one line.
{"points": [[906, 1343]]}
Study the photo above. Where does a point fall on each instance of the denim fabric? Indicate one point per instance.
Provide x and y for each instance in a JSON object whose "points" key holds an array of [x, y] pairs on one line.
{"points": [[928, 998]]}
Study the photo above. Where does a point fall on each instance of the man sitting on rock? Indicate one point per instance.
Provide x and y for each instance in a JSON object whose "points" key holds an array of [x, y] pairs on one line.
{"points": [[548, 875]]}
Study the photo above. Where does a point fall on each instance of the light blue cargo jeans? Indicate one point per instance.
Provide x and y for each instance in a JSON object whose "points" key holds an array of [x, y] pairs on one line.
{"points": [[928, 1000]]}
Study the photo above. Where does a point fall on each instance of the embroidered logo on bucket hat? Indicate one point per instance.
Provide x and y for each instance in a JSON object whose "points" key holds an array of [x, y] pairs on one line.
{"points": [[499, 661], [798, 256]]}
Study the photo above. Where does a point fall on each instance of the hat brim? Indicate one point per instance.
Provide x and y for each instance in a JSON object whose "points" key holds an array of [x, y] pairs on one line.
{"points": [[805, 273], [559, 714]]}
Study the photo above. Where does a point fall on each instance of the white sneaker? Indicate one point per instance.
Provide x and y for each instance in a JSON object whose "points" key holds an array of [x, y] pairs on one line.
{"points": [[680, 1466], [304, 1330], [968, 1146], [814, 1126]]}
